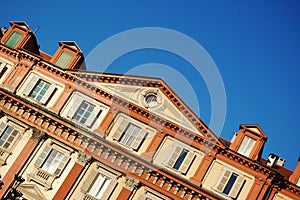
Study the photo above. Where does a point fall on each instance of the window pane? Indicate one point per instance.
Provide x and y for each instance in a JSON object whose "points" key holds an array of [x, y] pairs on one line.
{"points": [[130, 134], [39, 90], [63, 60], [180, 159], [230, 183], [100, 185], [83, 112], [246, 146], [7, 137], [52, 161], [14, 39]]}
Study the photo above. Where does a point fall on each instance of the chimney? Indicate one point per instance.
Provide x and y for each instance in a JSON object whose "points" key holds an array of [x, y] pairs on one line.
{"points": [[280, 161], [272, 159]]}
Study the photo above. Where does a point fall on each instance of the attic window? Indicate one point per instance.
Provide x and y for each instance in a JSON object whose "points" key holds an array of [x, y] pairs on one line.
{"points": [[246, 146], [64, 59], [151, 100], [14, 39]]}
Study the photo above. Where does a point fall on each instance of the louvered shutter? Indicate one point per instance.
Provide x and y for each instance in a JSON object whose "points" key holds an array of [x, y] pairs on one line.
{"points": [[42, 156], [2, 127], [224, 178], [61, 165], [139, 138], [121, 126], [175, 153], [75, 103], [236, 187], [187, 162], [89, 181], [92, 118], [34, 79], [48, 93], [109, 189]]}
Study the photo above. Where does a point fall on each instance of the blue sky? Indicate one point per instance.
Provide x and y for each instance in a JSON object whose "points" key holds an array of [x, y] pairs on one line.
{"points": [[255, 45]]}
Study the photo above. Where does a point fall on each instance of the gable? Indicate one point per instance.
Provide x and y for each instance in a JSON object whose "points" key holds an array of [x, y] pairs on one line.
{"points": [[152, 99], [31, 191]]}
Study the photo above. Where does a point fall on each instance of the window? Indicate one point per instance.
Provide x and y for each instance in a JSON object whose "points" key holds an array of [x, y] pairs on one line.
{"points": [[230, 183], [51, 161], [180, 158], [82, 111], [13, 39], [98, 185], [7, 135], [246, 146], [129, 134], [39, 90], [49, 165], [63, 59], [298, 182], [3, 68]]}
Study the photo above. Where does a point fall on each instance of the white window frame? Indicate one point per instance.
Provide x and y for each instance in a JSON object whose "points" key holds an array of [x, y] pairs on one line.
{"points": [[151, 194], [224, 179], [90, 184], [3, 129], [246, 146], [174, 155], [96, 116], [33, 83], [129, 133], [43, 175], [7, 66], [6, 152]]}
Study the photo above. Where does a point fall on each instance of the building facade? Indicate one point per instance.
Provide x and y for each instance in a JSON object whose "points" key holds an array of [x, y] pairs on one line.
{"points": [[67, 133]]}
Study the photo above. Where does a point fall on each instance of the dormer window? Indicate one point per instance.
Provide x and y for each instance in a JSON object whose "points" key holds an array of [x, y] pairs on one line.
{"points": [[249, 141], [64, 59], [246, 146], [13, 39], [68, 56]]}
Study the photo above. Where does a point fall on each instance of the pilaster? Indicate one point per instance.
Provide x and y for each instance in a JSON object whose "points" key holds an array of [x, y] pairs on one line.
{"points": [[130, 184]]}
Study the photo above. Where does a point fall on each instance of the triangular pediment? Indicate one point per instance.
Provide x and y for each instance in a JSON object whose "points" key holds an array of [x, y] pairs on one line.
{"points": [[152, 99], [31, 191]]}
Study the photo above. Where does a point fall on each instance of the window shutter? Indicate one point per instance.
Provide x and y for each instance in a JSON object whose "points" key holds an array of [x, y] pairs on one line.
{"points": [[42, 156], [109, 189], [139, 138], [75, 103], [92, 118], [237, 187], [121, 127], [224, 178], [2, 127], [31, 84], [175, 153], [89, 181], [48, 93], [187, 162]]}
